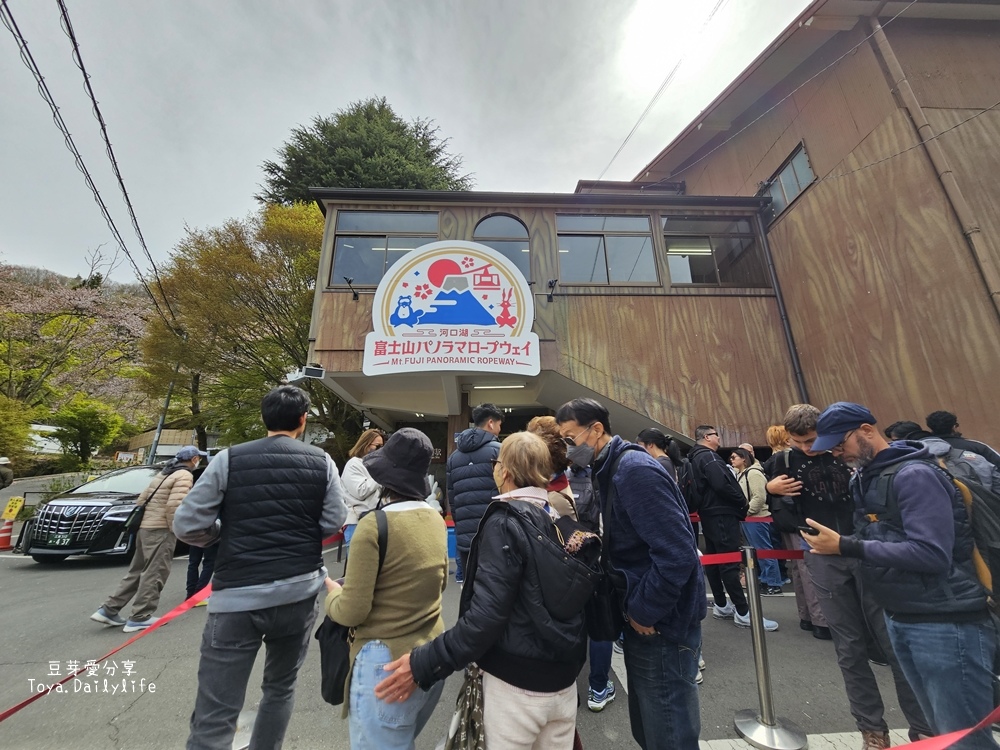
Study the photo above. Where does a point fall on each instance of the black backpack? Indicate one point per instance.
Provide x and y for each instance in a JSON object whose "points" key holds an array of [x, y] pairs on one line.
{"points": [[685, 480]]}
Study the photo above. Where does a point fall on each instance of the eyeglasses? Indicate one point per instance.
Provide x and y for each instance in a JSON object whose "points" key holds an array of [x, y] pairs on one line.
{"points": [[711, 434], [840, 445], [571, 441], [496, 462]]}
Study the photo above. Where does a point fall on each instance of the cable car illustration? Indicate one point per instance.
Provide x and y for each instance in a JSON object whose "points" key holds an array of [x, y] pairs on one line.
{"points": [[482, 279]]}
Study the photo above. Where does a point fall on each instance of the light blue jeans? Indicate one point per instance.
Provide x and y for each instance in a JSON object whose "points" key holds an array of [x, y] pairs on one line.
{"points": [[759, 536], [375, 724], [949, 665]]}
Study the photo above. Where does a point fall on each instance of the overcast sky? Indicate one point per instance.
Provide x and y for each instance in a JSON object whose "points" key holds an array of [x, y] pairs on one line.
{"points": [[534, 94]]}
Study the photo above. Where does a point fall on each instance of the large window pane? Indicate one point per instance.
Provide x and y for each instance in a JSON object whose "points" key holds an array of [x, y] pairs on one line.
{"points": [[361, 259], [581, 260], [501, 226], [803, 172], [400, 246], [516, 251], [706, 226], [690, 261], [739, 262], [630, 259], [424, 222], [577, 223]]}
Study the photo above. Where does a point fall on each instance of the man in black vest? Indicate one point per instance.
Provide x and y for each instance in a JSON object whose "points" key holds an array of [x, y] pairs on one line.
{"points": [[268, 503]]}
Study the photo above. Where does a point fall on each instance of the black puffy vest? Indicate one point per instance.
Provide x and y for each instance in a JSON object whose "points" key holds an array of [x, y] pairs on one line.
{"points": [[271, 513], [958, 592]]}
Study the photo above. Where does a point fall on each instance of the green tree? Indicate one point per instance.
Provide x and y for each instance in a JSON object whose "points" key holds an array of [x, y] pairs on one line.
{"points": [[15, 428], [243, 293], [366, 145], [85, 425]]}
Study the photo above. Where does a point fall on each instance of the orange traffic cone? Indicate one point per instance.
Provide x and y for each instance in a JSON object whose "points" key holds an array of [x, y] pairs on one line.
{"points": [[5, 534]]}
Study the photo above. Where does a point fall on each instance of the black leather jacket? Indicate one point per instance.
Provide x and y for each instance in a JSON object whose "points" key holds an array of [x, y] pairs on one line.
{"points": [[503, 625]]}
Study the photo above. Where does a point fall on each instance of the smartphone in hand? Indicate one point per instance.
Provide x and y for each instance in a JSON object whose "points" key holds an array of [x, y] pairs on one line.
{"points": [[808, 530]]}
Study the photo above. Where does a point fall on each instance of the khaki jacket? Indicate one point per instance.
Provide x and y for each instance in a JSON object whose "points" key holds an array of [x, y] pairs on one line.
{"points": [[162, 497]]}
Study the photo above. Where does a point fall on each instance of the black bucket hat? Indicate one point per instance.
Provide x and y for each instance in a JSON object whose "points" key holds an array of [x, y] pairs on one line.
{"points": [[401, 464]]}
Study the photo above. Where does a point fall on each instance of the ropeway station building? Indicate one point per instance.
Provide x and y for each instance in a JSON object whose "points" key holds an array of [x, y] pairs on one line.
{"points": [[827, 229]]}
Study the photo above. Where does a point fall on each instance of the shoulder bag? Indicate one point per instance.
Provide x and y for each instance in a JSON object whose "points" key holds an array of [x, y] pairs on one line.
{"points": [[134, 519], [466, 729], [335, 639]]}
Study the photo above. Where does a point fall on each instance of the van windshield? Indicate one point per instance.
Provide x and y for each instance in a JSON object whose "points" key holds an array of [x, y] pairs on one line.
{"points": [[130, 482]]}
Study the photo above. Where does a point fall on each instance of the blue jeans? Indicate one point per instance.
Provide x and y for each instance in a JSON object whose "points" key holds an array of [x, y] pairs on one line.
{"points": [[229, 648], [949, 665], [375, 724], [662, 694], [758, 535], [600, 664], [205, 559]]}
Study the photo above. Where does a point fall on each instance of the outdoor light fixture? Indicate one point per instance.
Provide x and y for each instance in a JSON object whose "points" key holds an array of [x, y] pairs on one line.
{"points": [[552, 287], [418, 414], [496, 387], [350, 280]]}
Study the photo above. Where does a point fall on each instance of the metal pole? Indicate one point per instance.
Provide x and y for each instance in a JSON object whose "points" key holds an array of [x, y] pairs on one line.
{"points": [[163, 418], [763, 729]]}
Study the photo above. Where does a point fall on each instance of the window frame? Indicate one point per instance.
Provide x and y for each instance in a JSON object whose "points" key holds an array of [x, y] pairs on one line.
{"points": [[339, 233], [712, 238], [604, 234], [774, 181], [486, 239]]}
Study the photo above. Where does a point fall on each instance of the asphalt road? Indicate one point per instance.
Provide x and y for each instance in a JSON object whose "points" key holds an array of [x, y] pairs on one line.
{"points": [[44, 613]]}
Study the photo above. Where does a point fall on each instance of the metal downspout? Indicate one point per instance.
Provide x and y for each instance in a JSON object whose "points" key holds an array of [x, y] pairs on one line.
{"points": [[786, 325], [988, 268]]}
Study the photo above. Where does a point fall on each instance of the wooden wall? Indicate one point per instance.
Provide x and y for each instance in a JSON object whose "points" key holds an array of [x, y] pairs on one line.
{"points": [[886, 303]]}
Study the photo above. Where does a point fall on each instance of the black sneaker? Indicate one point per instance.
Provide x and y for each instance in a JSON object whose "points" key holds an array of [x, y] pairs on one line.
{"points": [[821, 633], [805, 625], [771, 591]]}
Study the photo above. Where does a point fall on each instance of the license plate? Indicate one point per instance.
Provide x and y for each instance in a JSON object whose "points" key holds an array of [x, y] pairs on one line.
{"points": [[59, 540]]}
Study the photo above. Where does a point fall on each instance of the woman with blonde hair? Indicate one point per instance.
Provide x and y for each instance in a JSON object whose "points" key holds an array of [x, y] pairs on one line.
{"points": [[360, 490], [530, 658]]}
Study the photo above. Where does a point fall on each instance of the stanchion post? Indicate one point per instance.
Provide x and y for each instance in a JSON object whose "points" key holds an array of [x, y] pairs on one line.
{"points": [[762, 728]]}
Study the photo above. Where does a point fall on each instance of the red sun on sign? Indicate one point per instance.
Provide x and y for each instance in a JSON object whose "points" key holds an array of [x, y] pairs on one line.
{"points": [[440, 269]]}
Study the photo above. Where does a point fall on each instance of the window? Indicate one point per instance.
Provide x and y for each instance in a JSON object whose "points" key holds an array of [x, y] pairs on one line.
{"points": [[605, 250], [509, 237], [369, 242], [794, 176], [713, 251]]}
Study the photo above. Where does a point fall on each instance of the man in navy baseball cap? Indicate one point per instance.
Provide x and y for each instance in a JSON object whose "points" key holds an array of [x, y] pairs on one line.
{"points": [[837, 422]]}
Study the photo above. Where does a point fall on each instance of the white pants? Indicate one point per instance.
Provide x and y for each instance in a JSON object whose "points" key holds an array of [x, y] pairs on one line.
{"points": [[516, 719]]}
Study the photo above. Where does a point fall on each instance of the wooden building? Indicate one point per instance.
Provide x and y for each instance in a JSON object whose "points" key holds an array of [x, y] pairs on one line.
{"points": [[876, 128], [827, 229]]}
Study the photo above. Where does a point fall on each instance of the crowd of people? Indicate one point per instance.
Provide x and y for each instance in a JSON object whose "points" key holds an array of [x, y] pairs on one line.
{"points": [[887, 572]]}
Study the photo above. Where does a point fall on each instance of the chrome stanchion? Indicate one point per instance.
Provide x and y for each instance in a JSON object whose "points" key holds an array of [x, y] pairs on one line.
{"points": [[762, 728]]}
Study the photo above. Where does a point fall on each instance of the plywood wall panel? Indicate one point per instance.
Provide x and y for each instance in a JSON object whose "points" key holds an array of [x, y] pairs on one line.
{"points": [[950, 64], [878, 284]]}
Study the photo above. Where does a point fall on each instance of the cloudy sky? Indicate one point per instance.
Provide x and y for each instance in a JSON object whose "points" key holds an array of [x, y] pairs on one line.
{"points": [[534, 94]]}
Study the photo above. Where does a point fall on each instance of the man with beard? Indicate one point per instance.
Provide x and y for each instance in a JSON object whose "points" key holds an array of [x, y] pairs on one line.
{"points": [[813, 484], [914, 541]]}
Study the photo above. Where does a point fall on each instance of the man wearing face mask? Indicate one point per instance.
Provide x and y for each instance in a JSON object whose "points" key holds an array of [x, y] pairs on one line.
{"points": [[665, 596]]}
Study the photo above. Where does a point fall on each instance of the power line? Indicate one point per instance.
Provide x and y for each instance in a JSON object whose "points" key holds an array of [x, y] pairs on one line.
{"points": [[78, 59], [910, 148], [8, 20], [659, 92], [790, 94]]}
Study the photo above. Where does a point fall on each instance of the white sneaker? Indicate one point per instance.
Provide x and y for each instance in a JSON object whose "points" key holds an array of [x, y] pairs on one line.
{"points": [[723, 613], [743, 621], [699, 678], [701, 662]]}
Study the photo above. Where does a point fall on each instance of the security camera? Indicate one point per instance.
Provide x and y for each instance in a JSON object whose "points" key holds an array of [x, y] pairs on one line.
{"points": [[304, 373]]}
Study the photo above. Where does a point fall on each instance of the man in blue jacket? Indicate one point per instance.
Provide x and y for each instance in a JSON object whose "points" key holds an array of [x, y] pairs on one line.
{"points": [[470, 478], [914, 540], [650, 541]]}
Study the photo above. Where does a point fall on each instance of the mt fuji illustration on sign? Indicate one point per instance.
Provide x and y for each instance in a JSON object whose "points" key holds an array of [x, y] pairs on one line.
{"points": [[456, 306]]}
